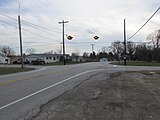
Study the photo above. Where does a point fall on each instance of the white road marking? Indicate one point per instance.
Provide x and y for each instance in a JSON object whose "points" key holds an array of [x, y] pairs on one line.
{"points": [[14, 102], [23, 73], [114, 65]]}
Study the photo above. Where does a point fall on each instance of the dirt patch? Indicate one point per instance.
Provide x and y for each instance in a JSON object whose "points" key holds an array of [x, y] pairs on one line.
{"points": [[123, 96]]}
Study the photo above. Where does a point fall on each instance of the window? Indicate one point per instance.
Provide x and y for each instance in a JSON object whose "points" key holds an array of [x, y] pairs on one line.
{"points": [[54, 58], [47, 58], [50, 57]]}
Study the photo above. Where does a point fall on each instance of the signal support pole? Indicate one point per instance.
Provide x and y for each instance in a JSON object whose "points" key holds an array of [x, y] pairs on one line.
{"points": [[125, 56], [63, 22], [20, 37], [92, 48]]}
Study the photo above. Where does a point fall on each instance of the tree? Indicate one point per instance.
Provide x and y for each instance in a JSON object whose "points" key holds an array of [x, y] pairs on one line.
{"points": [[104, 49], [131, 47], [85, 55], [75, 54], [110, 56], [154, 38], [93, 56], [6, 50], [117, 49], [102, 54], [143, 52], [59, 50], [31, 50], [49, 52]]}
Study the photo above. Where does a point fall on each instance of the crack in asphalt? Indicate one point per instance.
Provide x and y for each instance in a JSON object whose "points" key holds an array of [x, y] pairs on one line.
{"points": [[39, 109]]}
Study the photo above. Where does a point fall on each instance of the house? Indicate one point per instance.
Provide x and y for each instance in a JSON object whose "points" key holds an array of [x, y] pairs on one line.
{"points": [[77, 58], [4, 59], [14, 58], [48, 58]]}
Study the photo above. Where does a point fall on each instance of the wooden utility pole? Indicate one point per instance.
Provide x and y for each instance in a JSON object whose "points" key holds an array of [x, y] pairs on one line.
{"points": [[20, 37], [63, 22], [125, 55]]}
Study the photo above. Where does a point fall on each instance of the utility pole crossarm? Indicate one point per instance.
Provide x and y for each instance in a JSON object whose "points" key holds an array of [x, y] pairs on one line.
{"points": [[63, 22]]}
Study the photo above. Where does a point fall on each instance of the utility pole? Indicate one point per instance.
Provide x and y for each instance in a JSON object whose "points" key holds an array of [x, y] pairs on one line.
{"points": [[63, 22], [92, 48], [125, 55], [20, 37]]}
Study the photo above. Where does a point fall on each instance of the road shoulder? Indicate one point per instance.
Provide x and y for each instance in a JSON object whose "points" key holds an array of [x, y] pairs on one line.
{"points": [[121, 96]]}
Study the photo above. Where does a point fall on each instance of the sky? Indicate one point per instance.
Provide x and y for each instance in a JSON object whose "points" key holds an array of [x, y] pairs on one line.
{"points": [[86, 19]]}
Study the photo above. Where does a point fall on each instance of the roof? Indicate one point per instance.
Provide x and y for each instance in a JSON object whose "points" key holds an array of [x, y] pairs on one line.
{"points": [[43, 55]]}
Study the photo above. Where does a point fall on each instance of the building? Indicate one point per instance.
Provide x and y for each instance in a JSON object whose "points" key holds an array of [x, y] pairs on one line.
{"points": [[14, 59], [47, 58], [77, 59], [4, 59]]}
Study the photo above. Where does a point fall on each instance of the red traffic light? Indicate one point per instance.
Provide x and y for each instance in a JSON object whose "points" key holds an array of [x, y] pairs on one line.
{"points": [[96, 37]]}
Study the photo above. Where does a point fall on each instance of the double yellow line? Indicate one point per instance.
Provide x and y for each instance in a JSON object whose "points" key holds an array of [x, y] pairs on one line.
{"points": [[28, 78]]}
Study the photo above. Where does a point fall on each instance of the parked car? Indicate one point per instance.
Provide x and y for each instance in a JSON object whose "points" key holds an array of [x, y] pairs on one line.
{"points": [[37, 62], [19, 62]]}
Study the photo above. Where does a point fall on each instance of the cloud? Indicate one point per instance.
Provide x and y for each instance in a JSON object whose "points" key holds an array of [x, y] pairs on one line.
{"points": [[86, 18]]}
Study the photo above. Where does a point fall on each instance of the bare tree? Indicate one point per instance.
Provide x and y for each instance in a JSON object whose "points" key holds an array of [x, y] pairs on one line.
{"points": [[131, 48], [154, 38], [75, 54], [59, 50], [6, 50], [104, 49], [117, 48], [49, 52], [31, 50], [85, 55]]}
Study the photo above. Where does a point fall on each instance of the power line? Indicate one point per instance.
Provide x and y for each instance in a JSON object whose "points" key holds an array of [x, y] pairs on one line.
{"points": [[40, 26], [27, 31], [9, 23], [8, 16], [39, 35], [41, 29], [144, 24], [30, 24]]}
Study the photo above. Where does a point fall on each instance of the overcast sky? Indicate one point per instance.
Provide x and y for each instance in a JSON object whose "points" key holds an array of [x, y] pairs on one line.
{"points": [[87, 18]]}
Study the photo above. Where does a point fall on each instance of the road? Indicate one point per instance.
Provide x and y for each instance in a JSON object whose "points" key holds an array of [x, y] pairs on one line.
{"points": [[23, 93]]}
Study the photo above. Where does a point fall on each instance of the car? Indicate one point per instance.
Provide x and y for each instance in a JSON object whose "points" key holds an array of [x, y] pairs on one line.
{"points": [[19, 62], [37, 62]]}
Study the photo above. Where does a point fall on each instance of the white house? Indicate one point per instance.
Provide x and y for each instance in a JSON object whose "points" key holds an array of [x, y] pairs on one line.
{"points": [[48, 58], [4, 59]]}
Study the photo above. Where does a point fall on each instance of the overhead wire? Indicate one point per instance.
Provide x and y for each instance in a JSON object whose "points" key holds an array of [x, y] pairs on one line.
{"points": [[29, 23], [144, 24], [41, 30], [26, 22], [27, 30]]}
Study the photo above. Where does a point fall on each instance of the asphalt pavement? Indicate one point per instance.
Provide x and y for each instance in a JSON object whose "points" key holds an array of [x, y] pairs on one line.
{"points": [[23, 93]]}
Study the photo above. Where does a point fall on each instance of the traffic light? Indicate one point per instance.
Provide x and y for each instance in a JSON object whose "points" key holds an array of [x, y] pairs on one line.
{"points": [[69, 37], [96, 37]]}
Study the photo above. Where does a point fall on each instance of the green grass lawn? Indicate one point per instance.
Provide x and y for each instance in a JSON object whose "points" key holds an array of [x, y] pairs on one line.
{"points": [[137, 63], [9, 70]]}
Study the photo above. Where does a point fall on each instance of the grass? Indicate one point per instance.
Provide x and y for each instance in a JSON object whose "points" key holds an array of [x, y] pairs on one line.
{"points": [[9, 70], [137, 63]]}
